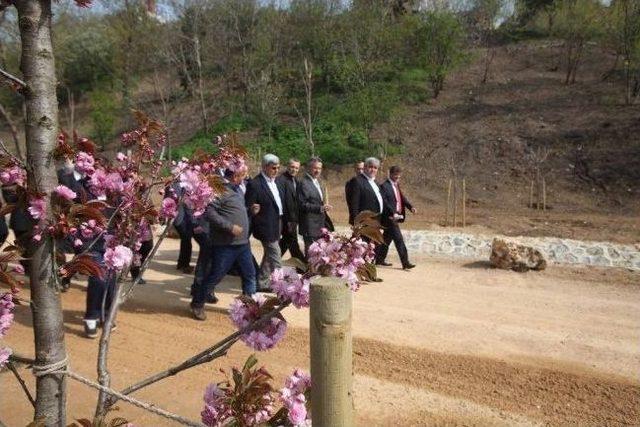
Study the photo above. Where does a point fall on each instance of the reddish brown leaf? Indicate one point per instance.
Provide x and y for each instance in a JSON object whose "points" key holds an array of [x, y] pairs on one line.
{"points": [[83, 264]]}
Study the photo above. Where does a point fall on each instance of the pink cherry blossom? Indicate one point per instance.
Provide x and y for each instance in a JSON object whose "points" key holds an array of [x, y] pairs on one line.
{"points": [[118, 258], [293, 397], [169, 208], [13, 175], [18, 269], [4, 355], [37, 208], [244, 312], [65, 192], [6, 313], [290, 286], [85, 163]]}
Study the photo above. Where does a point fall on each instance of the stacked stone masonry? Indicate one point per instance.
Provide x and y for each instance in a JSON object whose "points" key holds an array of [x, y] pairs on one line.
{"points": [[556, 250]]}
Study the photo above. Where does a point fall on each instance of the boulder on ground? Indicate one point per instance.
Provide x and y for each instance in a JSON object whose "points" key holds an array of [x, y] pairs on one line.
{"points": [[510, 255]]}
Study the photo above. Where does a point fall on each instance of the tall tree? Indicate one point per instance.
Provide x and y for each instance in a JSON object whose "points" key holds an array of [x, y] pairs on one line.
{"points": [[41, 127]]}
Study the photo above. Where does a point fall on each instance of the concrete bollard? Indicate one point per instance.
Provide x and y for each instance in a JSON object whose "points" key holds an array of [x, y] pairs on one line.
{"points": [[331, 353]]}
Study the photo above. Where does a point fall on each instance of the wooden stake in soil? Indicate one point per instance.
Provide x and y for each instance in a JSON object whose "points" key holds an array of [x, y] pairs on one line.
{"points": [[331, 353], [455, 202], [464, 203], [531, 195], [446, 209], [544, 194]]}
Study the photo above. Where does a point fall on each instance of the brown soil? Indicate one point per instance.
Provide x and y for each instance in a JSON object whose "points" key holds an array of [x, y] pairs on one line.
{"points": [[449, 343]]}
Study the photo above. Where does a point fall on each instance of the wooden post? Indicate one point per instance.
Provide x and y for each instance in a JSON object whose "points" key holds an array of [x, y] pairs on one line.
{"points": [[544, 194], [455, 202], [531, 195], [464, 203], [446, 209], [331, 353]]}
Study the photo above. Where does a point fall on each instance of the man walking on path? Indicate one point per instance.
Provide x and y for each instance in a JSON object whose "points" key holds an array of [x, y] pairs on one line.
{"points": [[229, 237], [397, 204], [313, 204], [289, 183], [348, 187], [366, 196], [264, 201]]}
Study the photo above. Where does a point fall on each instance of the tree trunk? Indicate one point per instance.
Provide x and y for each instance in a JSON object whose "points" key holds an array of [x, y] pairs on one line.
{"points": [[41, 128]]}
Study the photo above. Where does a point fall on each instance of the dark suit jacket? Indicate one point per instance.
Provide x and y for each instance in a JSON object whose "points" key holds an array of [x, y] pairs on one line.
{"points": [[389, 198], [290, 201], [363, 198], [310, 202], [348, 189], [265, 226]]}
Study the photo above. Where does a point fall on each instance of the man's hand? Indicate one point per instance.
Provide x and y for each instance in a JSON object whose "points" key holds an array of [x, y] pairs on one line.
{"points": [[255, 208], [326, 208], [236, 230], [414, 210]]}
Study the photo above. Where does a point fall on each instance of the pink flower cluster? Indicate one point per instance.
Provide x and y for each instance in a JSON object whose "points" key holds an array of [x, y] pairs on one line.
{"points": [[103, 183], [85, 163], [6, 320], [333, 255], [118, 257], [294, 399], [13, 175], [65, 192], [290, 286], [169, 209], [6, 313], [231, 161], [197, 191], [244, 311], [219, 412], [37, 208]]}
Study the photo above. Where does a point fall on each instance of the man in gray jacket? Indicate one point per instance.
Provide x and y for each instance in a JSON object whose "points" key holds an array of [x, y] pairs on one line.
{"points": [[312, 204], [229, 238]]}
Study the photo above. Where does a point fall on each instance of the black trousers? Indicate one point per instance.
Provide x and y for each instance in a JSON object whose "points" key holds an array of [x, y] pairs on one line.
{"points": [[185, 230], [392, 233], [289, 242], [100, 292], [145, 249]]}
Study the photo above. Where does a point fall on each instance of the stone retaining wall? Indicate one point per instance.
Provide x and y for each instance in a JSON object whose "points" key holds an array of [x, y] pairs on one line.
{"points": [[556, 250]]}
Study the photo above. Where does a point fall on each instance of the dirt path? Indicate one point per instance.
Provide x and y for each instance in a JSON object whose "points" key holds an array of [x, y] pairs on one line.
{"points": [[449, 343]]}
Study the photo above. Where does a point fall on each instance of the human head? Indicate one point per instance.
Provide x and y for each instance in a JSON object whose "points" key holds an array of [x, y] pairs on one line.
{"points": [[293, 166], [270, 165], [236, 177], [371, 166], [314, 167], [395, 172], [358, 168]]}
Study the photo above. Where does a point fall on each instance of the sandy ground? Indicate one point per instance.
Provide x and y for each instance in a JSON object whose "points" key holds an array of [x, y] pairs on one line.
{"points": [[447, 344]]}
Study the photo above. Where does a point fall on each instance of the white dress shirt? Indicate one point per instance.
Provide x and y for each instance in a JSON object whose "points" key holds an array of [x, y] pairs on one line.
{"points": [[317, 185], [396, 192], [376, 189], [271, 183]]}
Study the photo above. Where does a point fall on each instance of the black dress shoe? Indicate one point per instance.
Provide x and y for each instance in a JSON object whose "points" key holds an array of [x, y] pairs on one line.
{"points": [[198, 313], [408, 266], [266, 289], [384, 264], [376, 279], [211, 298]]}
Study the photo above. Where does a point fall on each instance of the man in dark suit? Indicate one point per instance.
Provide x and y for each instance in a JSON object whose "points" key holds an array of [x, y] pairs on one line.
{"points": [[312, 202], [264, 201], [397, 204], [289, 184], [359, 169], [366, 196]]}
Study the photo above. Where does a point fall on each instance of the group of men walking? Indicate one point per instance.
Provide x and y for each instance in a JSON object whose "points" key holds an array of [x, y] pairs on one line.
{"points": [[275, 208]]}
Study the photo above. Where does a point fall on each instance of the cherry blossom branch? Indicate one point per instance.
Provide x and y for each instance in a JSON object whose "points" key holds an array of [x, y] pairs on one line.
{"points": [[217, 350], [15, 82], [13, 369]]}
